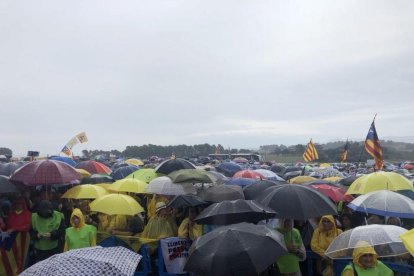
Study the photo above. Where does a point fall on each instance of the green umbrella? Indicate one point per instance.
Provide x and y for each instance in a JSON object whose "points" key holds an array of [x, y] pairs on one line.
{"points": [[190, 176], [145, 175]]}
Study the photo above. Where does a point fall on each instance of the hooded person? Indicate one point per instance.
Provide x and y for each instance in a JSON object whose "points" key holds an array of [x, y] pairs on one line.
{"points": [[321, 239], [188, 228], [48, 229], [80, 235], [365, 262], [160, 225]]}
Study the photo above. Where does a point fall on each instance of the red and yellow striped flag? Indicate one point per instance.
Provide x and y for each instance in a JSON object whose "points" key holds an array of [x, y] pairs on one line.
{"points": [[373, 147], [310, 152]]}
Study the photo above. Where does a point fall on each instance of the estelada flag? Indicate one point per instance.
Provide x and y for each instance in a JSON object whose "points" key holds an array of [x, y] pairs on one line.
{"points": [[82, 137], [310, 152], [373, 147], [66, 150], [13, 252], [344, 152]]}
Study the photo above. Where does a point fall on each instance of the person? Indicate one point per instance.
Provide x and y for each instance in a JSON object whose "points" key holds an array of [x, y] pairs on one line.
{"points": [[365, 262], [135, 225], [346, 221], [188, 228], [288, 264], [393, 221], [48, 228], [80, 235], [160, 226], [321, 239]]}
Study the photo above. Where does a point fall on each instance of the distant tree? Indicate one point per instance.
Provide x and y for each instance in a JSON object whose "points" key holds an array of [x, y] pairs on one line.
{"points": [[6, 151]]}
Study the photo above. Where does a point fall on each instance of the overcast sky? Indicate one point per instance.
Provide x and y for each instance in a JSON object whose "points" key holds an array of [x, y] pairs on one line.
{"points": [[239, 73]]}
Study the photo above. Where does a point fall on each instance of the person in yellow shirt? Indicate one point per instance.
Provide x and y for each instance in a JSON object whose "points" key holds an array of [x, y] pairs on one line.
{"points": [[188, 228]]}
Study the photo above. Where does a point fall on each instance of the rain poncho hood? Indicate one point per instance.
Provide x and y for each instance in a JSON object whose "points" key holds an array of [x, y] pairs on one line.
{"points": [[362, 248], [79, 237], [159, 228], [321, 238], [77, 213]]}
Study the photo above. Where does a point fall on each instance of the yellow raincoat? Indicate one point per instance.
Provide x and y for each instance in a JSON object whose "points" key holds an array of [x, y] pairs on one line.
{"points": [[79, 237], [378, 268], [187, 231], [151, 204], [321, 239], [159, 228]]}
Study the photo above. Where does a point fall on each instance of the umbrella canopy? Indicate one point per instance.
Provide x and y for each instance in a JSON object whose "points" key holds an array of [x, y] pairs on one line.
{"points": [[94, 167], [238, 249], [297, 202], [333, 178], [97, 178], [380, 181], [301, 179], [123, 172], [116, 204], [135, 162], [164, 186], [255, 189], [85, 191], [67, 160], [170, 165], [278, 169], [6, 186], [222, 193], [118, 164], [8, 169], [248, 174], [269, 174], [129, 185], [145, 175], [190, 176], [228, 168], [326, 172], [45, 172], [189, 200], [230, 212], [384, 203], [117, 261], [347, 181], [83, 173], [242, 182], [218, 177], [384, 238], [334, 193], [408, 240]]}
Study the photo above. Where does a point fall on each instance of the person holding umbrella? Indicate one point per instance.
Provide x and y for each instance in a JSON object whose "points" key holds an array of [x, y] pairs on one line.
{"points": [[188, 228], [364, 262], [80, 235]]}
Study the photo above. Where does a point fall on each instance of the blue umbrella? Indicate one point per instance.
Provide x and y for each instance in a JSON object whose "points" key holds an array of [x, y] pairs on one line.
{"points": [[122, 172], [67, 160], [228, 168], [241, 181]]}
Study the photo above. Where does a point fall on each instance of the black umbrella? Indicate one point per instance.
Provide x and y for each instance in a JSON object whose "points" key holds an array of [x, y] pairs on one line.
{"points": [[348, 180], [97, 178], [278, 169], [119, 165], [6, 186], [222, 193], [228, 168], [255, 189], [170, 165], [188, 200], [297, 202], [124, 171], [237, 249], [229, 212], [8, 169]]}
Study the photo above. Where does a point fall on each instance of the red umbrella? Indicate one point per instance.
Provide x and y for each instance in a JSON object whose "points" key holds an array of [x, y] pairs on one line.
{"points": [[45, 172], [334, 193], [248, 174], [94, 167]]}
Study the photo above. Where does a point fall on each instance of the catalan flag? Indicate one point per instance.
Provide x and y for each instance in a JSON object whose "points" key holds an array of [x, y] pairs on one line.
{"points": [[344, 152], [66, 150], [310, 152], [373, 147]]}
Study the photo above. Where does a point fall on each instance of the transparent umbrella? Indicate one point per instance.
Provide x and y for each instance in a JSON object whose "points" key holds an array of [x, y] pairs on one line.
{"points": [[384, 238]]}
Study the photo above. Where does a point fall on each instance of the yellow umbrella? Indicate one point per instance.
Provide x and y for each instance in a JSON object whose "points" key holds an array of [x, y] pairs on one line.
{"points": [[333, 178], [116, 204], [408, 240], [83, 173], [103, 185], [324, 165], [85, 191], [301, 179], [134, 161], [379, 181], [130, 185]]}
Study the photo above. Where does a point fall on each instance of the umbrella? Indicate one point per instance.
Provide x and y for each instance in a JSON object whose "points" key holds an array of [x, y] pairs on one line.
{"points": [[248, 174], [297, 202], [119, 164], [6, 186], [347, 181], [123, 172], [333, 178], [83, 173], [116, 204], [238, 249], [129, 185], [44, 172], [230, 212], [380, 181], [384, 203], [326, 172], [163, 185], [94, 167], [189, 200], [228, 168], [117, 261], [170, 165], [145, 175], [335, 193], [135, 162], [408, 240], [255, 189], [269, 174], [67, 160], [221, 193], [384, 238], [301, 179], [190, 176], [85, 191], [8, 169], [278, 169], [97, 178], [242, 182], [218, 177]]}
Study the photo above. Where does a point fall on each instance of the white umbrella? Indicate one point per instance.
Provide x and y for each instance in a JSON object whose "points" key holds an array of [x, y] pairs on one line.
{"points": [[269, 174], [164, 186]]}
